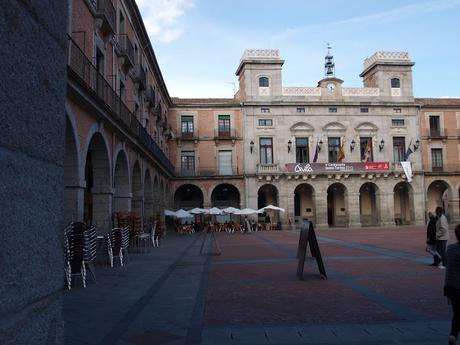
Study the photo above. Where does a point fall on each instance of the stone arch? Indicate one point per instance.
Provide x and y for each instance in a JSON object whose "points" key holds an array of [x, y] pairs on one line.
{"points": [[74, 189], [369, 201], [121, 183], [148, 195], [304, 203], [137, 189], [188, 196], [267, 195], [225, 195], [403, 195], [438, 193], [337, 205], [98, 192]]}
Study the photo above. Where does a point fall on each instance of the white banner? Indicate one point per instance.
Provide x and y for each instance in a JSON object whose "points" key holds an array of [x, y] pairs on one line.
{"points": [[407, 170]]}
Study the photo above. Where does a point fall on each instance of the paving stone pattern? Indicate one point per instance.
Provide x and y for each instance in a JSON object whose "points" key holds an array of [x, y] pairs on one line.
{"points": [[381, 290]]}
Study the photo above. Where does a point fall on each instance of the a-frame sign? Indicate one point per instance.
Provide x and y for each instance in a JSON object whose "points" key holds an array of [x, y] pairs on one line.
{"points": [[308, 236]]}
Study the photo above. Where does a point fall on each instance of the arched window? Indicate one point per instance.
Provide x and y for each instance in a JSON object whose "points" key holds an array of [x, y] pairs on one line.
{"points": [[263, 82], [395, 83]]}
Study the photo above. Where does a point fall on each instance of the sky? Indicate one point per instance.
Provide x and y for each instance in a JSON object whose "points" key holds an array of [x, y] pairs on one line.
{"points": [[199, 43]]}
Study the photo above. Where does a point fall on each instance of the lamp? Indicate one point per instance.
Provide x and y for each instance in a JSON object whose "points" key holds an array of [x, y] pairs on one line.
{"points": [[416, 145], [319, 145], [289, 145], [251, 146], [352, 145], [381, 145]]}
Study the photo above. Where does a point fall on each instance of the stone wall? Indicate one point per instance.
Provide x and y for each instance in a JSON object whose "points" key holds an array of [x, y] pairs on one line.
{"points": [[33, 69]]}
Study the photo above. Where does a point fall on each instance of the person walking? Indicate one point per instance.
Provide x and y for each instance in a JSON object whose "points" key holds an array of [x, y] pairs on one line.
{"points": [[452, 285], [431, 239], [442, 236]]}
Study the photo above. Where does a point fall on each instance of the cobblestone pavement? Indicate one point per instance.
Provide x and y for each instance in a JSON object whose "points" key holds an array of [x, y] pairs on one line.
{"points": [[380, 290]]}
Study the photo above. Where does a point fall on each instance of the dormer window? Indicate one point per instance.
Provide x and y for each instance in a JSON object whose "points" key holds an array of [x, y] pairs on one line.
{"points": [[263, 82], [395, 83]]}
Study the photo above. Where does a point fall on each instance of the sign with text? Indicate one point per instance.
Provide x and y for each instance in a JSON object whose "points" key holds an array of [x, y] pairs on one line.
{"points": [[309, 168], [308, 238]]}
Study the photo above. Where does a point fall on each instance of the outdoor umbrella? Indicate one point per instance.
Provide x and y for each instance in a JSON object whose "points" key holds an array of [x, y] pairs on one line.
{"points": [[230, 210], [247, 211], [183, 214], [215, 211], [198, 210], [170, 213], [271, 207]]}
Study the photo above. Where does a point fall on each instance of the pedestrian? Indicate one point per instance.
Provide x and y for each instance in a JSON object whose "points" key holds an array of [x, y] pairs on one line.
{"points": [[452, 285], [442, 236], [431, 239]]}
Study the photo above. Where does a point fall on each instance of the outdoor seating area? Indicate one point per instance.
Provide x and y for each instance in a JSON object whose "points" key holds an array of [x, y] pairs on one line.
{"points": [[84, 248]]}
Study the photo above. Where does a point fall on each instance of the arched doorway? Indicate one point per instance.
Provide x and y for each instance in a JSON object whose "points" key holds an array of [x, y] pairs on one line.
{"points": [[137, 202], [438, 194], [148, 196], [304, 203], [368, 201], [98, 197], [72, 201], [403, 204], [122, 197], [268, 195], [225, 195], [337, 213], [188, 196]]}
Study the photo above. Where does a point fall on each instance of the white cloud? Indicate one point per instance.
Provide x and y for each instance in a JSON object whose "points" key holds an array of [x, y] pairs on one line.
{"points": [[162, 18]]}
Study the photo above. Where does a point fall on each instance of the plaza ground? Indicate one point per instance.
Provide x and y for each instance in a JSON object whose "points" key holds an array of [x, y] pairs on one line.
{"points": [[380, 290]]}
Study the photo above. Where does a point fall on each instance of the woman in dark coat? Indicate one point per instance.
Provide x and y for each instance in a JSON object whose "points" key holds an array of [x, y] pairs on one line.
{"points": [[431, 239], [452, 284]]}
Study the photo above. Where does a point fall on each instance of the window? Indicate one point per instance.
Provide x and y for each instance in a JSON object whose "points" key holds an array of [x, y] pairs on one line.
{"points": [[436, 159], [397, 122], [122, 91], [301, 150], [395, 83], [333, 110], [224, 125], [333, 149], [399, 149], [364, 110], [264, 110], [266, 122], [365, 147], [435, 128], [397, 110], [301, 110], [266, 151], [188, 163], [263, 82], [187, 126], [225, 163]]}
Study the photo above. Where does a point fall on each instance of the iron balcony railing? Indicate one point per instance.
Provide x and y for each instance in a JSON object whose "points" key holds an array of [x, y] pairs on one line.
{"points": [[150, 97], [140, 77], [225, 133], [106, 11], [83, 70], [126, 49]]}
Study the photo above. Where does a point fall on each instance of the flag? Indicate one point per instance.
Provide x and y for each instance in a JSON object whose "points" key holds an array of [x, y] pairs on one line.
{"points": [[408, 152], [341, 155], [367, 152], [315, 158]]}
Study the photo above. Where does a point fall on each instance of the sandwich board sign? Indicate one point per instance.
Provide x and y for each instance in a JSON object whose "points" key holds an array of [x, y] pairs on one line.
{"points": [[308, 237]]}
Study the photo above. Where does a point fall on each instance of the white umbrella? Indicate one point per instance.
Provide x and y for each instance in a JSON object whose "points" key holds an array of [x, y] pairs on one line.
{"points": [[183, 214], [271, 207], [215, 211], [170, 213], [245, 211], [230, 210], [198, 210]]}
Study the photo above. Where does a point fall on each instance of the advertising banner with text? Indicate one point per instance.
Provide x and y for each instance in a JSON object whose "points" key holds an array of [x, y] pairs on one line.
{"points": [[309, 168]]}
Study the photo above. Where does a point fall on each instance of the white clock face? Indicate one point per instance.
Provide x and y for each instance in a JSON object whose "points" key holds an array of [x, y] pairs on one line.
{"points": [[330, 88]]}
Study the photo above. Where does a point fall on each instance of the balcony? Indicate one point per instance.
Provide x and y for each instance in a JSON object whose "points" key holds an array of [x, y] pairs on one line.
{"points": [[106, 15], [85, 74], [188, 135], [126, 50], [140, 77], [150, 97], [268, 168], [225, 134], [436, 133]]}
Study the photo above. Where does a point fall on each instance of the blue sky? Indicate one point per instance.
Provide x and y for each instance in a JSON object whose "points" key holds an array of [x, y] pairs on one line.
{"points": [[198, 43]]}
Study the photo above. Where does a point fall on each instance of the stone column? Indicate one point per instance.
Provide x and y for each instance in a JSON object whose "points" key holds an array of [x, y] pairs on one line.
{"points": [[102, 211], [32, 134], [74, 200], [321, 203], [122, 202], [387, 208], [354, 218]]}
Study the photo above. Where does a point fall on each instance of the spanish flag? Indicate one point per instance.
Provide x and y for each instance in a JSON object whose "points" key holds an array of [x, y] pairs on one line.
{"points": [[341, 155]]}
